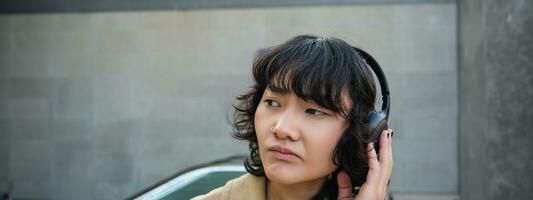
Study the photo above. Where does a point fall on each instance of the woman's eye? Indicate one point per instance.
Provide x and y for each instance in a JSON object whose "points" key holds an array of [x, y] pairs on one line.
{"points": [[316, 112], [272, 103]]}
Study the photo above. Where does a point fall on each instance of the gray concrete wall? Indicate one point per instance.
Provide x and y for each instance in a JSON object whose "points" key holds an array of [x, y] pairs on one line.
{"points": [[496, 106], [101, 105], [76, 6]]}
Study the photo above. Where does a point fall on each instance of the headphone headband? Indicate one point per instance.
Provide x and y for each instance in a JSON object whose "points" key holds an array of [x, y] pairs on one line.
{"points": [[381, 79]]}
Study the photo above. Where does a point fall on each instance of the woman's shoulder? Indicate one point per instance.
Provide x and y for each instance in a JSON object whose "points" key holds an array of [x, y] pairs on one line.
{"points": [[246, 186]]}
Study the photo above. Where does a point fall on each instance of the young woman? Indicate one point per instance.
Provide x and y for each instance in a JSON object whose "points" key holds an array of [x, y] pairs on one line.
{"points": [[307, 120]]}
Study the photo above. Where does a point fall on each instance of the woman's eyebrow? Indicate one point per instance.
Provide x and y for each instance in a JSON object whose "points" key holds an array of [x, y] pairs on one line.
{"points": [[278, 90]]}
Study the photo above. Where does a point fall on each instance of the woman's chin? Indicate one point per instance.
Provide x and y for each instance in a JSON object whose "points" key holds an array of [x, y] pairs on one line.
{"points": [[282, 174]]}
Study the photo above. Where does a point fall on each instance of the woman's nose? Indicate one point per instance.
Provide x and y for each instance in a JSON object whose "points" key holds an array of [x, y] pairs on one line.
{"points": [[287, 127]]}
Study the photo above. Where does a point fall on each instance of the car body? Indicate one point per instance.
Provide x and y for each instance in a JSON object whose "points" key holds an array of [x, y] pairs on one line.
{"points": [[194, 181]]}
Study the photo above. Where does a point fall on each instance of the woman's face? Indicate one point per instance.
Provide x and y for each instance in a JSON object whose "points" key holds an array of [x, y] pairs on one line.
{"points": [[296, 138]]}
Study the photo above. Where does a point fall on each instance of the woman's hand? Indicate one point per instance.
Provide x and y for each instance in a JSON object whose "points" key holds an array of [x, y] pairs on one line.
{"points": [[379, 172]]}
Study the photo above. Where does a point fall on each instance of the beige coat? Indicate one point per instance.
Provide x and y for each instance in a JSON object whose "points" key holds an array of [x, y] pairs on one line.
{"points": [[244, 187]]}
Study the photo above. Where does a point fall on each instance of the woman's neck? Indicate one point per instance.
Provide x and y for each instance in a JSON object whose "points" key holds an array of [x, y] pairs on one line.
{"points": [[305, 190]]}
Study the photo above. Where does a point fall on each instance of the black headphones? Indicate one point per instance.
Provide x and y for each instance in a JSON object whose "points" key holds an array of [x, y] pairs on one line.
{"points": [[378, 120]]}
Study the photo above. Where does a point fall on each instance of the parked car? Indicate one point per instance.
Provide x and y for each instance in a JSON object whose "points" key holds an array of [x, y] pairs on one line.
{"points": [[194, 181]]}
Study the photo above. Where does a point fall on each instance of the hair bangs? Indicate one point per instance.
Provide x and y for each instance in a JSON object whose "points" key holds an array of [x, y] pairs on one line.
{"points": [[311, 72]]}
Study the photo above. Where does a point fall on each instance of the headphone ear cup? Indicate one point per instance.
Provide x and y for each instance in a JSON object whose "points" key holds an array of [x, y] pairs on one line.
{"points": [[377, 123]]}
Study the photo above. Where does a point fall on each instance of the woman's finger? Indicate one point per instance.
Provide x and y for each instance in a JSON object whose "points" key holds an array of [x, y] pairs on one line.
{"points": [[373, 166], [384, 146], [385, 157], [345, 186], [373, 162]]}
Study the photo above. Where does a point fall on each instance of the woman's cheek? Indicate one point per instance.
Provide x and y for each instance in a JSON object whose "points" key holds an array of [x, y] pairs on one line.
{"points": [[259, 118], [261, 124], [325, 137]]}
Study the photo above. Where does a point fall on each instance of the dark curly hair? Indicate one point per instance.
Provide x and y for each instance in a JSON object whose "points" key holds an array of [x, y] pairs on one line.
{"points": [[323, 70]]}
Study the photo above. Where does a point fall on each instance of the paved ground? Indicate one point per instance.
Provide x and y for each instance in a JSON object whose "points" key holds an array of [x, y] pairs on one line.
{"points": [[424, 197]]}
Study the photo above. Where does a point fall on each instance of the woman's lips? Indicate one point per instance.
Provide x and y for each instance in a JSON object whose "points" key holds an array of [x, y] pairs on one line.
{"points": [[283, 153]]}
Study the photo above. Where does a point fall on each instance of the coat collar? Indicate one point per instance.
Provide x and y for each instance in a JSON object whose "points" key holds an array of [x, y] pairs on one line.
{"points": [[248, 186]]}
